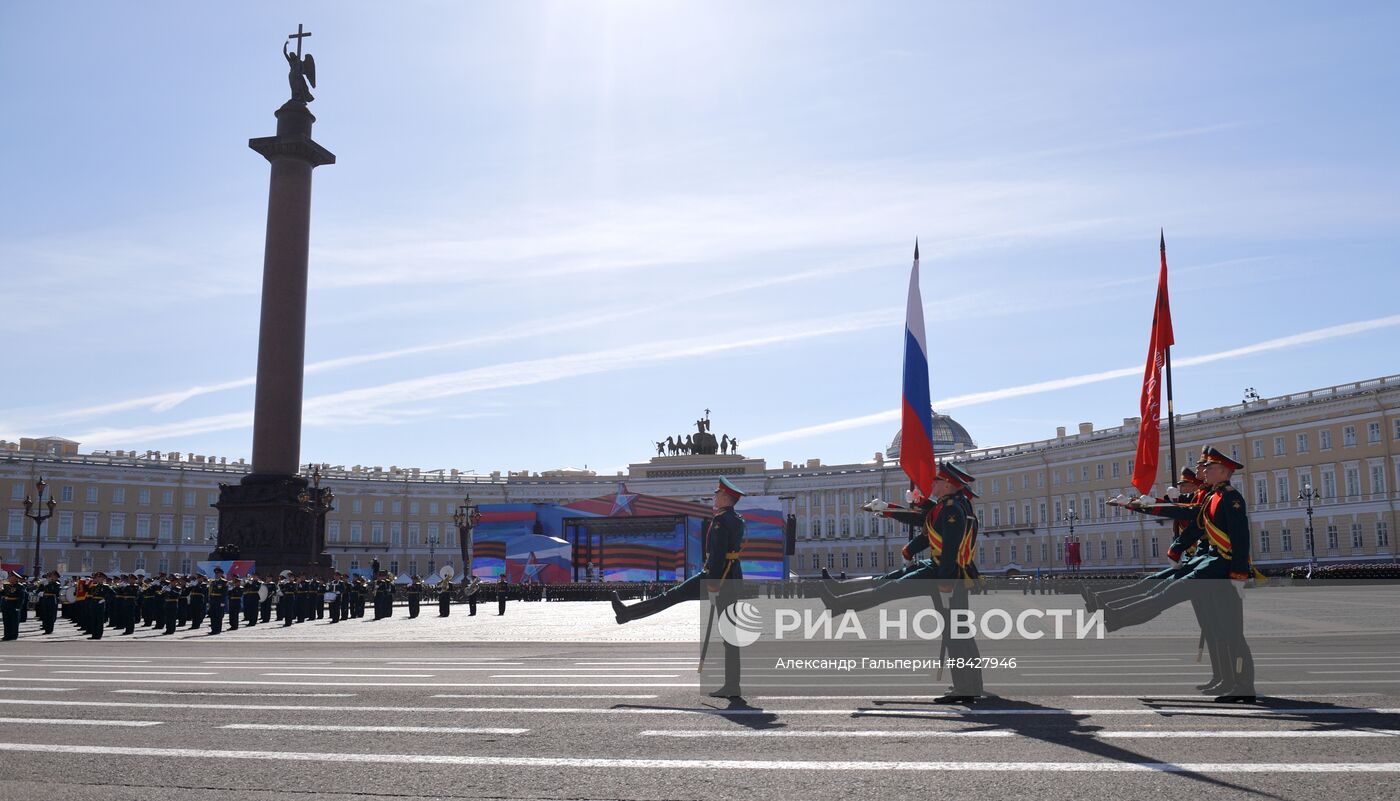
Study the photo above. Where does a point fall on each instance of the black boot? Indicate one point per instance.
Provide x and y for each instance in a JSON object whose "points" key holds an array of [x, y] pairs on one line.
{"points": [[620, 610], [953, 697]]}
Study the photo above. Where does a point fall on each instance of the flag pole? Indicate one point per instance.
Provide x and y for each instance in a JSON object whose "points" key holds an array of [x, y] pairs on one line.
{"points": [[1171, 411]]}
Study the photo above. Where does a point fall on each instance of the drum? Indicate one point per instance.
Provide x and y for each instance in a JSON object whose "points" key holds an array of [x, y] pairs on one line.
{"points": [[263, 592], [331, 595]]}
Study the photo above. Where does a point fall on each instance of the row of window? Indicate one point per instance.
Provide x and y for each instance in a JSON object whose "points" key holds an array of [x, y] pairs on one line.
{"points": [[67, 524], [190, 498], [1381, 539], [433, 534]]}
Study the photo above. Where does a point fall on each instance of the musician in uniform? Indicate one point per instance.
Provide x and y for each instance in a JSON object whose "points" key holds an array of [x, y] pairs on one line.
{"points": [[251, 598], [217, 593], [174, 599], [99, 597], [47, 606], [235, 601], [128, 595], [199, 601], [502, 590], [11, 598], [151, 605], [473, 592], [721, 577], [1217, 579], [415, 596]]}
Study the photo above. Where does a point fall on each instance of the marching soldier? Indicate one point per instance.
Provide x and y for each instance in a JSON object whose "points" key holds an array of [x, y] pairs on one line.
{"points": [[415, 595], [946, 526], [473, 592], [1217, 579], [11, 598], [47, 606], [721, 576], [334, 586], [235, 601], [1185, 550], [218, 593]]}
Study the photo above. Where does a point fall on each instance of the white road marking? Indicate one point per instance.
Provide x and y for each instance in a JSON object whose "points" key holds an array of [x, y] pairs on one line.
{"points": [[408, 729], [441, 684], [609, 676], [719, 764], [486, 662], [140, 673], [1136, 734], [1208, 709], [37, 689], [530, 696], [236, 695], [356, 675], [80, 722], [835, 733]]}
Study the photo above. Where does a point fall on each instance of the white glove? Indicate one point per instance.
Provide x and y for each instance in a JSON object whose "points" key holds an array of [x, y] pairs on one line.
{"points": [[875, 505], [1172, 493], [1239, 587]]}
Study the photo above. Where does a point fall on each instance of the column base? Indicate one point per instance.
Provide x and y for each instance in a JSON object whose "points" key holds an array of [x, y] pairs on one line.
{"points": [[264, 517]]}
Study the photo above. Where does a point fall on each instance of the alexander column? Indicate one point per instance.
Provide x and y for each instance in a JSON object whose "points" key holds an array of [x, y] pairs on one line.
{"points": [[272, 516]]}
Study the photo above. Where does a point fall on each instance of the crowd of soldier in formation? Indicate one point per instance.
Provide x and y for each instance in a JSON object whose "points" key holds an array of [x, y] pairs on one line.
{"points": [[169, 603]]}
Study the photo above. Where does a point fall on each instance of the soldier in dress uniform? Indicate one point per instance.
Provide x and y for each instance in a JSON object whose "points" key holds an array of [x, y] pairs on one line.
{"points": [[11, 598], [99, 596], [174, 595], [415, 595], [150, 602], [199, 601], [358, 590], [946, 526], [235, 601], [1187, 547], [721, 577], [1217, 579], [286, 600], [128, 597], [47, 606], [444, 598], [218, 594], [251, 600], [502, 590]]}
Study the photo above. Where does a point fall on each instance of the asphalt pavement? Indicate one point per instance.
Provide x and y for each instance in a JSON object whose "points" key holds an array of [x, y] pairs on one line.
{"points": [[378, 709]]}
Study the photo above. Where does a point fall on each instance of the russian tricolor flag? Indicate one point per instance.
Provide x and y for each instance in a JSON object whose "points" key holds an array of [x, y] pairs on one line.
{"points": [[916, 427]]}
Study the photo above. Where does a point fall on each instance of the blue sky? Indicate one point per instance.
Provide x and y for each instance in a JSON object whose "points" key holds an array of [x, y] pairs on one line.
{"points": [[558, 231]]}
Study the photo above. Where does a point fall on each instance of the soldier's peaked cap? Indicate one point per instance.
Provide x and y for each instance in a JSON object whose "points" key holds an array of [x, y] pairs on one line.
{"points": [[727, 486], [955, 474], [1210, 455], [1187, 474]]}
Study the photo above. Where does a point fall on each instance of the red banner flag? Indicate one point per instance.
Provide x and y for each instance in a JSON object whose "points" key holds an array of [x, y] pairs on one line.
{"points": [[1149, 433]]}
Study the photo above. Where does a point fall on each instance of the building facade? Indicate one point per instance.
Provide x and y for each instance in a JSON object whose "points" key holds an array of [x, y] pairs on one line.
{"points": [[121, 512]]}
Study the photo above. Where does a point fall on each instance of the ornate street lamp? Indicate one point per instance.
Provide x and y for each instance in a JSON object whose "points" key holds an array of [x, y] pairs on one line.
{"points": [[466, 518], [1071, 517], [317, 502], [1308, 495], [38, 517]]}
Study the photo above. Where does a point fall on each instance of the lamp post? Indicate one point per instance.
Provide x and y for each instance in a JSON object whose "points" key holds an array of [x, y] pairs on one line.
{"points": [[38, 517], [1071, 517], [1308, 495], [316, 501], [465, 518], [432, 546]]}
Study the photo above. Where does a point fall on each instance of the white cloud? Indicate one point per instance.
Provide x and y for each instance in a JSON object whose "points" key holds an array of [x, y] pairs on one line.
{"points": [[971, 399]]}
